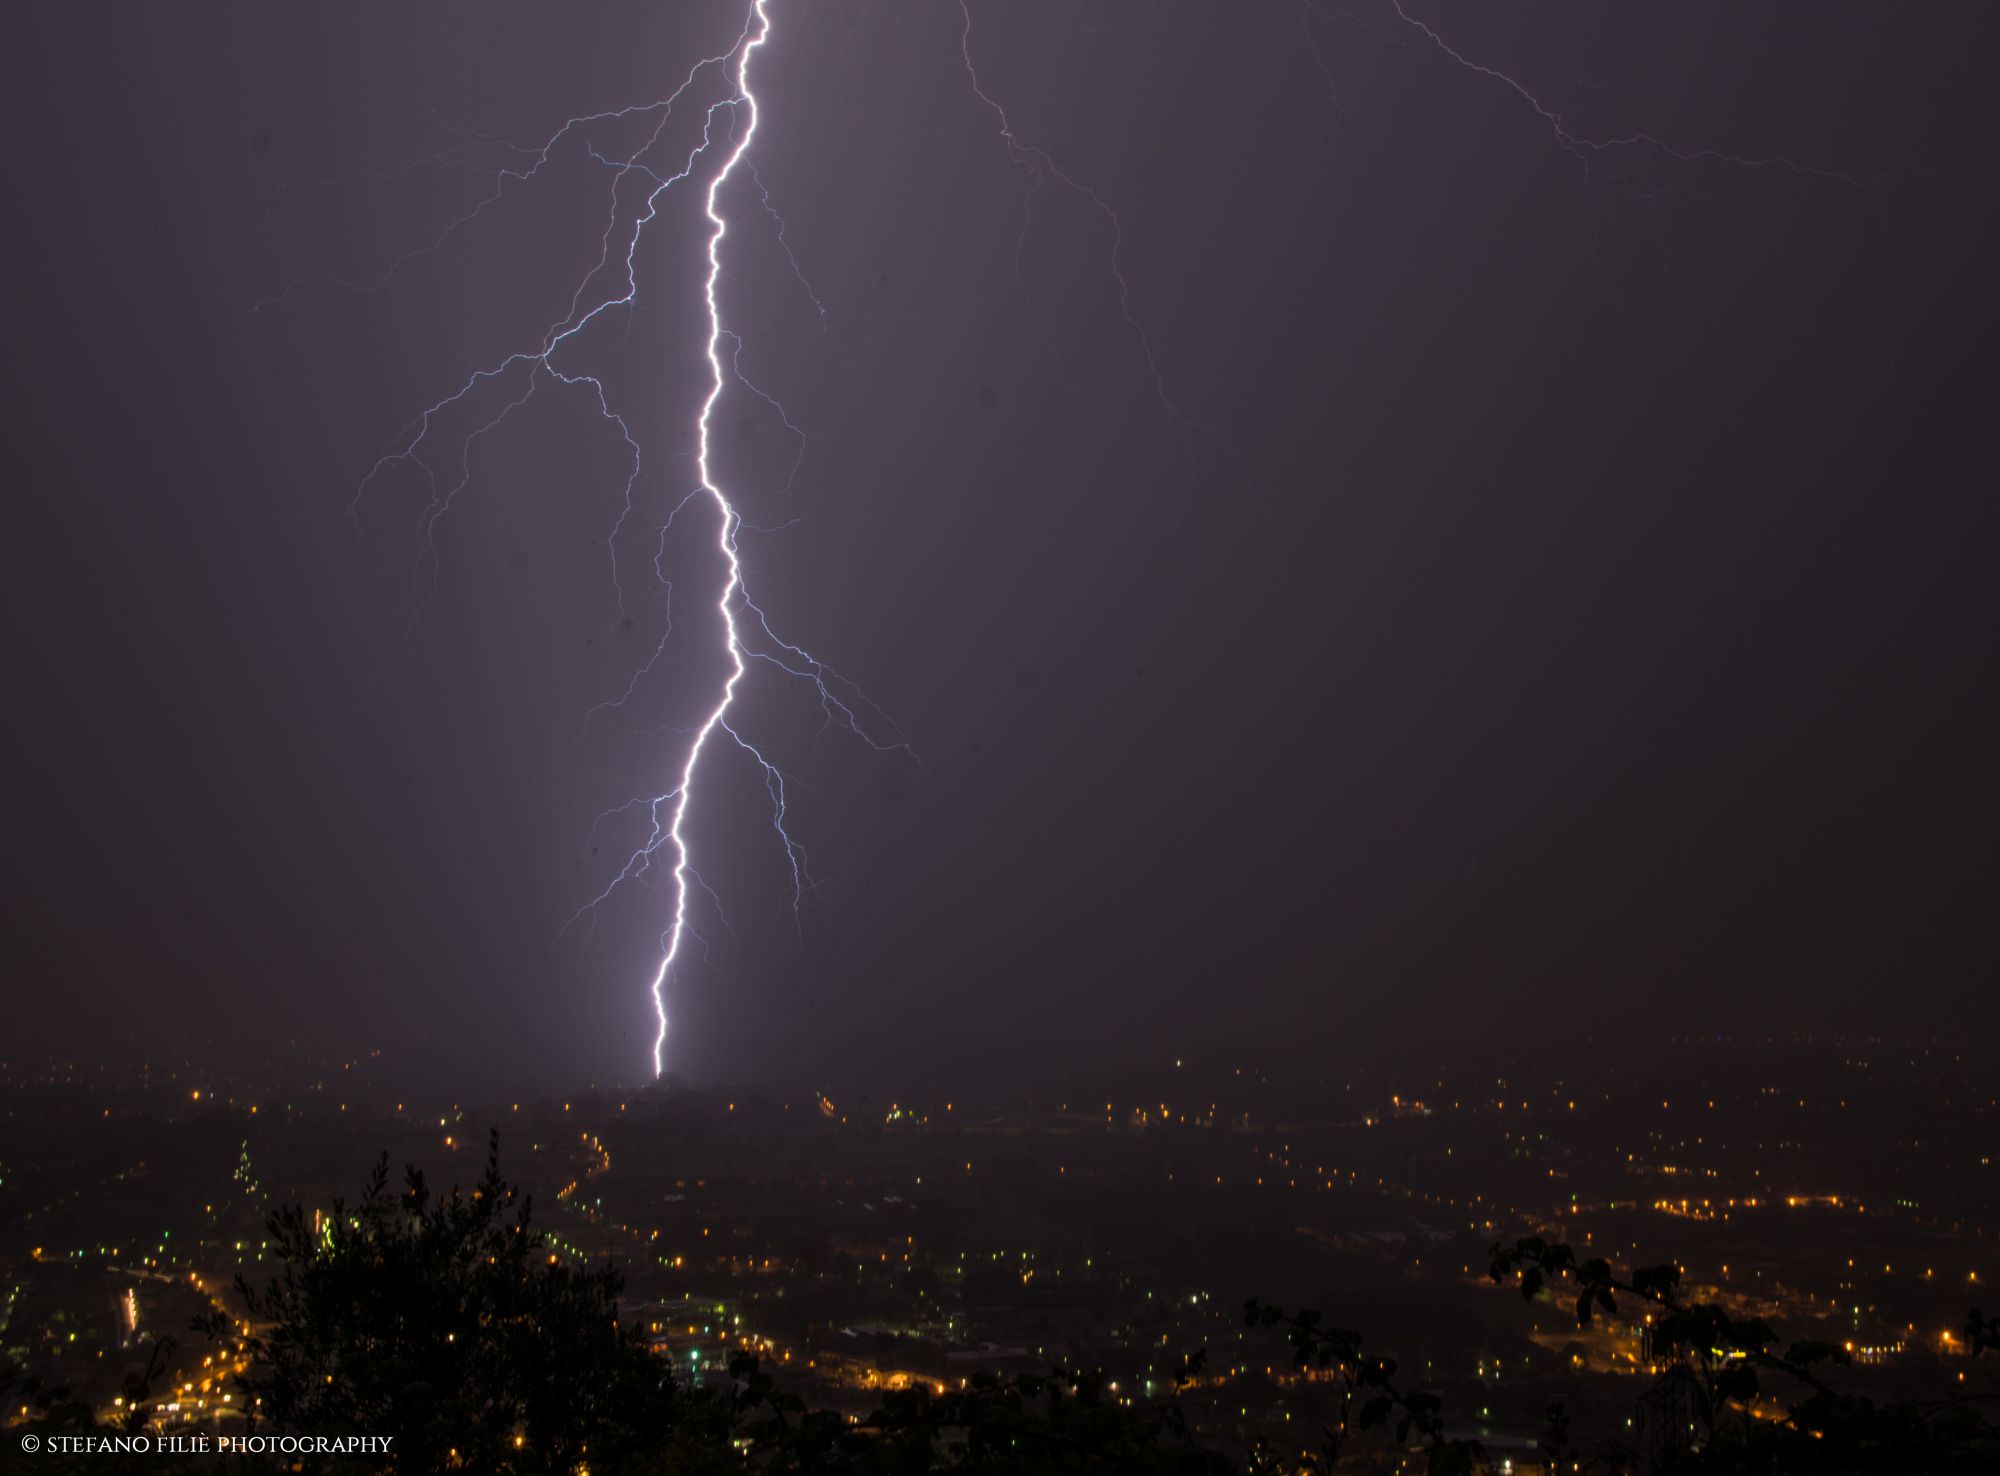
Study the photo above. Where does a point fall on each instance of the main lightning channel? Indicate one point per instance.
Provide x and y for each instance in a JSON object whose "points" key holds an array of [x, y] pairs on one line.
{"points": [[735, 604], [727, 520]]}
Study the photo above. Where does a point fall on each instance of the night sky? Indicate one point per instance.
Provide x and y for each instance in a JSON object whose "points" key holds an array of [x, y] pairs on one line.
{"points": [[1563, 605]]}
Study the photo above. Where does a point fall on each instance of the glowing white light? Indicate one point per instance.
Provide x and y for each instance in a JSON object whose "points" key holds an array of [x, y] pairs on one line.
{"points": [[726, 518]]}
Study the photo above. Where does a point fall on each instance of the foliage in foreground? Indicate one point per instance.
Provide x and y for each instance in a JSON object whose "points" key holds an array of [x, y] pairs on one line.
{"points": [[1736, 1398], [446, 1320]]}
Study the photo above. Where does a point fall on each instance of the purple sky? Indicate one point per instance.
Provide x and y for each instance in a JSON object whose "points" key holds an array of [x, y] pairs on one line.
{"points": [[1566, 605]]}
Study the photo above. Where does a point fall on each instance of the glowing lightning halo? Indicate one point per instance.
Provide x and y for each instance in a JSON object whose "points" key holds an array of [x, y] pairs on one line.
{"points": [[740, 614], [734, 595]]}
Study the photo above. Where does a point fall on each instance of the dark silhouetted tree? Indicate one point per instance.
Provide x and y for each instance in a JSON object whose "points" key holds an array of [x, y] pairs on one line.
{"points": [[445, 1321], [1699, 1417]]}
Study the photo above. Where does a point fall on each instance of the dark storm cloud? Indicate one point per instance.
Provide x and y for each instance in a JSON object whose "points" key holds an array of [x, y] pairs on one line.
{"points": [[1581, 588]]}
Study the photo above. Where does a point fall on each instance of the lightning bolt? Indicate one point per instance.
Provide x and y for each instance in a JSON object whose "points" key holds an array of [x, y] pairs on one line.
{"points": [[730, 129], [490, 395], [726, 521]]}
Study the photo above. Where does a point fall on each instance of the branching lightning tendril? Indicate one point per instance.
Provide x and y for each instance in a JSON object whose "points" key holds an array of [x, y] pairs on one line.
{"points": [[1034, 157], [1583, 148]]}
